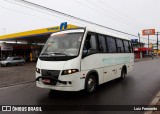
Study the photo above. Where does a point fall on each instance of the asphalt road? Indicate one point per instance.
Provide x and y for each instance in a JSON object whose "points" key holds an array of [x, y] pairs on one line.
{"points": [[138, 88]]}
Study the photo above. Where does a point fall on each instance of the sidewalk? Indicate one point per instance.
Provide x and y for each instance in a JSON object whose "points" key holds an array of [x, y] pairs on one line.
{"points": [[146, 58]]}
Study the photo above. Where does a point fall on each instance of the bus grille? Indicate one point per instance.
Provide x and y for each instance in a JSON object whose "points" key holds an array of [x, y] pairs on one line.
{"points": [[51, 73]]}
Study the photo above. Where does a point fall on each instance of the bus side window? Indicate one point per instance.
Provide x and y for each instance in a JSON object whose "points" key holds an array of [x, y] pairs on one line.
{"points": [[102, 43], [111, 44], [130, 47], [90, 44], [126, 46], [120, 47], [87, 42]]}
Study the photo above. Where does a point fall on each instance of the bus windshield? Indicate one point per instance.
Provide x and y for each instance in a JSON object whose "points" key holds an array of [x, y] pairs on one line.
{"points": [[63, 44]]}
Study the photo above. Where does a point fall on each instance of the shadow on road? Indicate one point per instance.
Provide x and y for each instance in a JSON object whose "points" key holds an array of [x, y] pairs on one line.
{"points": [[101, 90]]}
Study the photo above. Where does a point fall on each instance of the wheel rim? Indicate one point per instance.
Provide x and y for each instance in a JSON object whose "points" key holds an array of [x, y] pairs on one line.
{"points": [[91, 84]]}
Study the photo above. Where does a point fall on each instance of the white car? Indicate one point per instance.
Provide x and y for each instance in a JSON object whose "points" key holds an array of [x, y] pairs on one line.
{"points": [[12, 61]]}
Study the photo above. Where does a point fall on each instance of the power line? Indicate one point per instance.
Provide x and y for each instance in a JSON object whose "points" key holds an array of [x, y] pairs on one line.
{"points": [[29, 7], [103, 3], [41, 11], [126, 16], [57, 12], [65, 15], [107, 11], [51, 14], [112, 14], [14, 10], [100, 11]]}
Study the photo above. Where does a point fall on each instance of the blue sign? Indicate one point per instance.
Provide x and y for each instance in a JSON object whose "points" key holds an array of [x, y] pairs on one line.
{"points": [[63, 26], [134, 40]]}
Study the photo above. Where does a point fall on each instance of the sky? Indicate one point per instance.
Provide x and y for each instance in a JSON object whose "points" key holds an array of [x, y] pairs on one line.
{"points": [[131, 16]]}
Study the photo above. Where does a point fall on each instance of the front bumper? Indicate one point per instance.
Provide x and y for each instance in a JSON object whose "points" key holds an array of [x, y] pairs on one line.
{"points": [[52, 79], [63, 83]]}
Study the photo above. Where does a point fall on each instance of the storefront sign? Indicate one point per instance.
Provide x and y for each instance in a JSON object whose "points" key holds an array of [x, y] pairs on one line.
{"points": [[6, 47], [148, 32]]}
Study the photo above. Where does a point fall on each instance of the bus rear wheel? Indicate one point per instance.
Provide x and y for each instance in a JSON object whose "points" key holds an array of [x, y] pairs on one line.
{"points": [[22, 63], [90, 84], [8, 64], [123, 74]]}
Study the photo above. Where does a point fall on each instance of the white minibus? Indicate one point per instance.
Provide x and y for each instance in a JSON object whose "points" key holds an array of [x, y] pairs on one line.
{"points": [[82, 58]]}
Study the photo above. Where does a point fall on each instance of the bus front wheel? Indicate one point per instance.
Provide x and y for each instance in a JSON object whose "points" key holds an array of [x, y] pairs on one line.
{"points": [[90, 84]]}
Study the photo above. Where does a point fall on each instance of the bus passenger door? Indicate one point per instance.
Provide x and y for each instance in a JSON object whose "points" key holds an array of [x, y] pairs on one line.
{"points": [[110, 73], [91, 59]]}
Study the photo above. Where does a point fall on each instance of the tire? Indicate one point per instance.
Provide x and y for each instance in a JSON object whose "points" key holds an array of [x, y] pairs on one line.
{"points": [[90, 84], [123, 74], [22, 63], [8, 64]]}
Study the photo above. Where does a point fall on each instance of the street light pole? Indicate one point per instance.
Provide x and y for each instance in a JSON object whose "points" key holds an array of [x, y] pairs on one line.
{"points": [[148, 44], [157, 43], [140, 45]]}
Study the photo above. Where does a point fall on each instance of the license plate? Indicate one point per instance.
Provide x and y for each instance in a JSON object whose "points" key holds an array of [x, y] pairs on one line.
{"points": [[46, 81]]}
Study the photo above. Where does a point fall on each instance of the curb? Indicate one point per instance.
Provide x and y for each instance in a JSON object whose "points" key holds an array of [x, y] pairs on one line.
{"points": [[155, 101], [139, 60], [145, 59]]}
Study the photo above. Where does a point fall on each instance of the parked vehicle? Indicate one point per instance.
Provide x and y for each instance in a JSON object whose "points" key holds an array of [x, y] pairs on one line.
{"points": [[12, 61]]}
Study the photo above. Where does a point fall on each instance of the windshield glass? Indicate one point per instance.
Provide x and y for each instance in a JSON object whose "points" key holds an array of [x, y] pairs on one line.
{"points": [[9, 58], [63, 44]]}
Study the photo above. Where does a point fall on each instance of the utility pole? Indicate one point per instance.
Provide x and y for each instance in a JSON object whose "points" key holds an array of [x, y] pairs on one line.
{"points": [[148, 44], [157, 33], [140, 45]]}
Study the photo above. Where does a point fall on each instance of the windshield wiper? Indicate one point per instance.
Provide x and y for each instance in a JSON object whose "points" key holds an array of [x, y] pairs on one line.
{"points": [[58, 53], [52, 54], [46, 55]]}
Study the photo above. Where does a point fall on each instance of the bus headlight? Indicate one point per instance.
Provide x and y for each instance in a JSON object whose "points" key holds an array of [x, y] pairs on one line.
{"points": [[69, 71], [38, 70]]}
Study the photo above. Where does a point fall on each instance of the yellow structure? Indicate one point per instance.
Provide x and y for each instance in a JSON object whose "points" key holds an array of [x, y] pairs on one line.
{"points": [[155, 51], [31, 38], [35, 32]]}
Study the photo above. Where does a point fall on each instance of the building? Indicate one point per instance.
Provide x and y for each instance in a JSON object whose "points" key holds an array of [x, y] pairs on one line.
{"points": [[28, 44]]}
